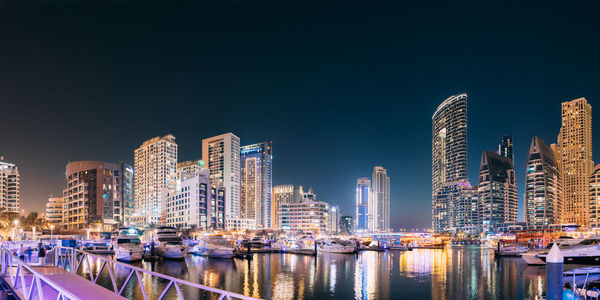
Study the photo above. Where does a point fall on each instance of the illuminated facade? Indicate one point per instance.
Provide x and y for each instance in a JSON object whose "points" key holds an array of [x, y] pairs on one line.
{"points": [[346, 225], [334, 219], [575, 163], [363, 195], [379, 206], [54, 209], [222, 155], [595, 198], [449, 147], [308, 215], [189, 168], [498, 199], [95, 194], [542, 187], [155, 164], [256, 183], [10, 186], [506, 147], [458, 209]]}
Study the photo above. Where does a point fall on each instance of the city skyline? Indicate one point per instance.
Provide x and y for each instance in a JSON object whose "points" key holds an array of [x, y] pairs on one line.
{"points": [[306, 91]]}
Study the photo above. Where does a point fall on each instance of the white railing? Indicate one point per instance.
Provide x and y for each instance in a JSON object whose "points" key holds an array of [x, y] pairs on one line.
{"points": [[13, 271], [76, 259]]}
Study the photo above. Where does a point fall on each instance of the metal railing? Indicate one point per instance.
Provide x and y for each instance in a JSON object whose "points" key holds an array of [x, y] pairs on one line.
{"points": [[13, 271], [75, 260]]}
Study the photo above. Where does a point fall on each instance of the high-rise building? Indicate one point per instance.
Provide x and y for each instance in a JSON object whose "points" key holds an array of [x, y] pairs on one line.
{"points": [[222, 155], [449, 145], [457, 209], [281, 194], [363, 195], [575, 151], [506, 147], [54, 209], [379, 207], [256, 183], [95, 194], [346, 225], [189, 168], [308, 215], [334, 219], [155, 170], [594, 213], [194, 203], [498, 199], [10, 186], [542, 186]]}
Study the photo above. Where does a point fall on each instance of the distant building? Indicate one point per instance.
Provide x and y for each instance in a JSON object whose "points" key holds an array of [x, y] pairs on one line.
{"points": [[189, 168], [95, 194], [379, 206], [54, 209], [334, 219], [498, 199], [506, 147], [363, 195], [155, 170], [457, 209], [194, 203], [256, 183], [346, 225], [449, 147], [281, 194], [595, 198], [308, 215], [575, 164], [222, 154], [241, 224], [542, 188], [10, 186]]}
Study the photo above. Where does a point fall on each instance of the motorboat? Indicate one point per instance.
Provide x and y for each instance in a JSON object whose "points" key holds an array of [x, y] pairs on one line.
{"points": [[397, 245], [510, 250], [169, 244], [127, 246], [257, 242], [530, 257], [336, 246], [280, 244], [586, 252], [214, 246]]}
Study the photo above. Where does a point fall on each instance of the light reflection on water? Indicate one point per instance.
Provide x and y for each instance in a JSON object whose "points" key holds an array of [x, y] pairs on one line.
{"points": [[453, 273]]}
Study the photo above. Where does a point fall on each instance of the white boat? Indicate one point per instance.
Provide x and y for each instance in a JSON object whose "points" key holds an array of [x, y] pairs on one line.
{"points": [[531, 257], [304, 243], [337, 246], [280, 244], [510, 250], [169, 244], [127, 246], [587, 252], [214, 246]]}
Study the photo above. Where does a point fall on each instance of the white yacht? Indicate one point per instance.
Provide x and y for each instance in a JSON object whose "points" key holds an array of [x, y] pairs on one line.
{"points": [[127, 246], [586, 252], [510, 249], [169, 244], [531, 258], [337, 246], [214, 246], [280, 244]]}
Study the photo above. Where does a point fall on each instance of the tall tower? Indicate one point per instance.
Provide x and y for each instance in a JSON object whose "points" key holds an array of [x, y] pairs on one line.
{"points": [[256, 183], [155, 169], [379, 207], [506, 147], [222, 155], [449, 146], [10, 186], [543, 190], [576, 165], [498, 199], [363, 195]]}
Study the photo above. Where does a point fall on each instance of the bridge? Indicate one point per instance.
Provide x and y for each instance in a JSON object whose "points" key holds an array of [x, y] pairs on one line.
{"points": [[76, 274]]}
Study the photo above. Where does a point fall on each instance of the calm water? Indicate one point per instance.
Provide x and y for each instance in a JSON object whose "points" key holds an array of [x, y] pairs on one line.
{"points": [[453, 273]]}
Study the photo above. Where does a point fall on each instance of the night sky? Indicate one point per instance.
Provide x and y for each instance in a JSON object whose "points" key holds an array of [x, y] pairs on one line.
{"points": [[339, 87]]}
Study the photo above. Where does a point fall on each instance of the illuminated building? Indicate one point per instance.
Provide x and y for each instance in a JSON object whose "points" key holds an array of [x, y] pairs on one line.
{"points": [[155, 163], [10, 186], [307, 215], [506, 147], [595, 198], [346, 225], [241, 224], [194, 203], [498, 199], [189, 168], [575, 164], [542, 187], [222, 155], [95, 194], [379, 206], [458, 208], [363, 194], [334, 219], [256, 183], [449, 148], [54, 209]]}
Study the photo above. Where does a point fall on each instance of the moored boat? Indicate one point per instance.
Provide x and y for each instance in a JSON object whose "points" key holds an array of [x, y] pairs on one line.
{"points": [[214, 246], [170, 245], [127, 246], [336, 246]]}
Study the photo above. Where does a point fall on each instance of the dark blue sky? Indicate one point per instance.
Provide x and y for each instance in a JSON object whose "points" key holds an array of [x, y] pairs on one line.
{"points": [[337, 86]]}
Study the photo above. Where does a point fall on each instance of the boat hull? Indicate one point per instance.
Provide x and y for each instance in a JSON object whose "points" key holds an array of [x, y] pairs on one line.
{"points": [[175, 252], [580, 260], [128, 256]]}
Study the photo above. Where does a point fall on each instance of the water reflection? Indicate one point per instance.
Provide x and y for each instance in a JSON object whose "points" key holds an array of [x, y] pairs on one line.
{"points": [[452, 273]]}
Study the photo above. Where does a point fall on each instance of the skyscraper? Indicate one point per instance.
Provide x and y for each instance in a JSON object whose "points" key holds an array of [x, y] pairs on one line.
{"points": [[363, 195], [542, 188], [498, 199], [155, 163], [222, 155], [256, 183], [457, 209], [379, 207], [576, 165], [449, 145], [506, 147], [10, 186]]}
